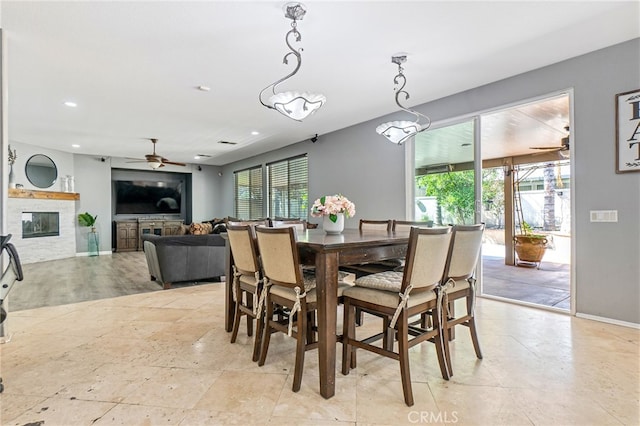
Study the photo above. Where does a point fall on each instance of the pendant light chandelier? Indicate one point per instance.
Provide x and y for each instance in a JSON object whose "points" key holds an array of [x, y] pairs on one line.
{"points": [[295, 105], [400, 131]]}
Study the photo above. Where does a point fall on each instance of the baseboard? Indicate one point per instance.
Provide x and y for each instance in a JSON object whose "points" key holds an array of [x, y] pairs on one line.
{"points": [[609, 320], [102, 253]]}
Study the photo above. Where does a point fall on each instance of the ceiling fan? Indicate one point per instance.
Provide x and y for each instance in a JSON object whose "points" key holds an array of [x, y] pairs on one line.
{"points": [[564, 144], [156, 161]]}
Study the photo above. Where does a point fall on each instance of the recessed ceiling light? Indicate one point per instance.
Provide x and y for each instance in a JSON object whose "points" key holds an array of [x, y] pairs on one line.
{"points": [[71, 104], [204, 88], [75, 145], [254, 133], [197, 157]]}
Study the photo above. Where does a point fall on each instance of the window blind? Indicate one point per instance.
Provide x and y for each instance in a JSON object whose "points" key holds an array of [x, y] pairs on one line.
{"points": [[249, 193], [288, 188]]}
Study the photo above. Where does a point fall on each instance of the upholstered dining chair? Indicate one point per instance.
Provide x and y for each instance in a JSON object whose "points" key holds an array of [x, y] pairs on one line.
{"points": [[366, 225], [397, 296], [299, 225], [253, 223], [459, 283], [405, 225], [247, 282], [286, 285]]}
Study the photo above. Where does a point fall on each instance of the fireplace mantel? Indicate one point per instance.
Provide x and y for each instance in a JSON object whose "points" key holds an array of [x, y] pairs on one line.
{"points": [[43, 195]]}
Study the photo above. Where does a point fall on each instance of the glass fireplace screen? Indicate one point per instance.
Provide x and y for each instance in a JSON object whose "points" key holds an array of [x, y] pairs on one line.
{"points": [[40, 224]]}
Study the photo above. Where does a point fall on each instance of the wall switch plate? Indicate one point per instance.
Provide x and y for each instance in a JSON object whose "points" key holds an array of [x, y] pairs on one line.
{"points": [[604, 215]]}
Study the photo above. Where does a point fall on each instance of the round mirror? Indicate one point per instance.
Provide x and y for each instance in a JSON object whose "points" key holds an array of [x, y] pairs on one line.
{"points": [[41, 171]]}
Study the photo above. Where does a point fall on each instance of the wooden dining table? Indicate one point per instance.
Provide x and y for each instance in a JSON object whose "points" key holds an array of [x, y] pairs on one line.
{"points": [[327, 253]]}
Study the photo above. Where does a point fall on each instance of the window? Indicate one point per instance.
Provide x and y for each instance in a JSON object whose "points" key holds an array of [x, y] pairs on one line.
{"points": [[288, 188], [248, 193]]}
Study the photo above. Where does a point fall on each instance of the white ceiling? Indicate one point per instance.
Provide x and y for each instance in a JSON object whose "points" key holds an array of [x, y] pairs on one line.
{"points": [[133, 67]]}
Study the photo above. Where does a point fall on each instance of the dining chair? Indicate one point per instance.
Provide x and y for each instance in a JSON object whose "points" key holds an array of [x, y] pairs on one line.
{"points": [[247, 282], [253, 223], [366, 225], [397, 296], [299, 225], [459, 283], [405, 225], [286, 285]]}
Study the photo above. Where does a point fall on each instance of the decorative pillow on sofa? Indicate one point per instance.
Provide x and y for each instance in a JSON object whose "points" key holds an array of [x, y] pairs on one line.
{"points": [[200, 228]]}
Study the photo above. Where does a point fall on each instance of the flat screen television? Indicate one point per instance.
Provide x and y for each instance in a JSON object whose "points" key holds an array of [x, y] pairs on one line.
{"points": [[148, 197]]}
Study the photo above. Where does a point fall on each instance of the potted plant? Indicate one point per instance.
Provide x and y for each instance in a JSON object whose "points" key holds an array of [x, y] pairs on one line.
{"points": [[86, 219], [530, 247], [333, 209]]}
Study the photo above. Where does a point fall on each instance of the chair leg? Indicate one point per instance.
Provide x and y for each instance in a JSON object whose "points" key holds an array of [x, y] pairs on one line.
{"points": [[266, 334], [249, 304], [258, 338], [403, 352], [348, 332], [442, 345], [359, 316], [236, 320], [388, 334], [311, 327], [301, 337], [474, 337], [472, 324]]}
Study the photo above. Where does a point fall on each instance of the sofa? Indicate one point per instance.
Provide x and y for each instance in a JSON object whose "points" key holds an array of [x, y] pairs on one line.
{"points": [[178, 258]]}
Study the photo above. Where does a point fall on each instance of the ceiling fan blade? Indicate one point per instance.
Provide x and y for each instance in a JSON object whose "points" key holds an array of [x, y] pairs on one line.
{"points": [[175, 163]]}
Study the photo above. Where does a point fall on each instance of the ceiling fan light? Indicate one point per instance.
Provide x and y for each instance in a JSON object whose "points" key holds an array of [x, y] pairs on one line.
{"points": [[155, 164], [398, 131], [296, 105]]}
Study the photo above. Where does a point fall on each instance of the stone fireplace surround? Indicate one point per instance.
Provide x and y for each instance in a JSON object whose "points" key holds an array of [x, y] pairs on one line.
{"points": [[41, 249]]}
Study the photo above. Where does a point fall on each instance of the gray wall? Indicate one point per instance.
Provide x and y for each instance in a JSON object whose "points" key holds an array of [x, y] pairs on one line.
{"points": [[93, 183], [371, 172]]}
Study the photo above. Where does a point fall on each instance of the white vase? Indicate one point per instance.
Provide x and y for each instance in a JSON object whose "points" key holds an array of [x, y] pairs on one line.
{"points": [[12, 183], [333, 227]]}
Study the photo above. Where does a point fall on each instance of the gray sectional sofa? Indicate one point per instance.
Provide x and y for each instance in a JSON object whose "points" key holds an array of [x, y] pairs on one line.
{"points": [[179, 258]]}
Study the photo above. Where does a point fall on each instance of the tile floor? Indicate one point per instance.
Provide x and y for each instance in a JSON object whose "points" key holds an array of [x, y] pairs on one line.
{"points": [[163, 358]]}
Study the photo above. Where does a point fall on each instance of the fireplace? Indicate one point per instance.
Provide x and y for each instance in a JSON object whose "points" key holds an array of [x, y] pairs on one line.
{"points": [[40, 224]]}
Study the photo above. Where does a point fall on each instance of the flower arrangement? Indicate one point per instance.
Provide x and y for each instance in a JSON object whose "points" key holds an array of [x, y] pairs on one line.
{"points": [[12, 156], [331, 205]]}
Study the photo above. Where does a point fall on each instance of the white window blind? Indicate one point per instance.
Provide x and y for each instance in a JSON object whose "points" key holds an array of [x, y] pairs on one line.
{"points": [[249, 193], [288, 188]]}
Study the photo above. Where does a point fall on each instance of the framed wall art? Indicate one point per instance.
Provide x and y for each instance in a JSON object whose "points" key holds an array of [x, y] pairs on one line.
{"points": [[628, 132]]}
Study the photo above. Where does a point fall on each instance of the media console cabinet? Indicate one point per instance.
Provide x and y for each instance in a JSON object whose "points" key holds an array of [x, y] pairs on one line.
{"points": [[129, 232]]}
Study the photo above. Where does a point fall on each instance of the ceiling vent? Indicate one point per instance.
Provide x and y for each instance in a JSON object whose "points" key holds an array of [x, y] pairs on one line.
{"points": [[228, 143]]}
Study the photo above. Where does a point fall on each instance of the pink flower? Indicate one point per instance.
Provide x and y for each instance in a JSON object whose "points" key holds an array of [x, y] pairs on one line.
{"points": [[331, 205]]}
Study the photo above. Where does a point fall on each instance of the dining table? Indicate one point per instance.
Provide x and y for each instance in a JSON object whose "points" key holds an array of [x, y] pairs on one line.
{"points": [[327, 252]]}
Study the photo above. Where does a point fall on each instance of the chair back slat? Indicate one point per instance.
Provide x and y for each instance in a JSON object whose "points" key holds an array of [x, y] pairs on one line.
{"points": [[279, 255], [426, 257], [465, 251], [375, 225], [243, 248]]}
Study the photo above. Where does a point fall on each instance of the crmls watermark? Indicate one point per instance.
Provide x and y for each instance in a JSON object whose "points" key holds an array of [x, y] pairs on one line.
{"points": [[433, 417]]}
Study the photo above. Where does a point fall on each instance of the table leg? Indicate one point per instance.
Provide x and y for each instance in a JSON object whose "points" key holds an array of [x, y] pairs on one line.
{"points": [[327, 288]]}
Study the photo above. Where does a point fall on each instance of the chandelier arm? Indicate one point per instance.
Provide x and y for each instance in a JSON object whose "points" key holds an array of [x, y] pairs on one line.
{"points": [[410, 111], [294, 31]]}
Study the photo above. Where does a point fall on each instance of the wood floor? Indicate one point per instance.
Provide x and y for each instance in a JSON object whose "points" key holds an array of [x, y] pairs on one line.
{"points": [[80, 279]]}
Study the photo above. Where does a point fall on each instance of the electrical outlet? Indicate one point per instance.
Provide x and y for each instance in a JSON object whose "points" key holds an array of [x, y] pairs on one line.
{"points": [[604, 215]]}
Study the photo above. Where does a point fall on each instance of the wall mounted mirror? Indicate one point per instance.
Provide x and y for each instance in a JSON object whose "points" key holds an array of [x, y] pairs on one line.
{"points": [[41, 171]]}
